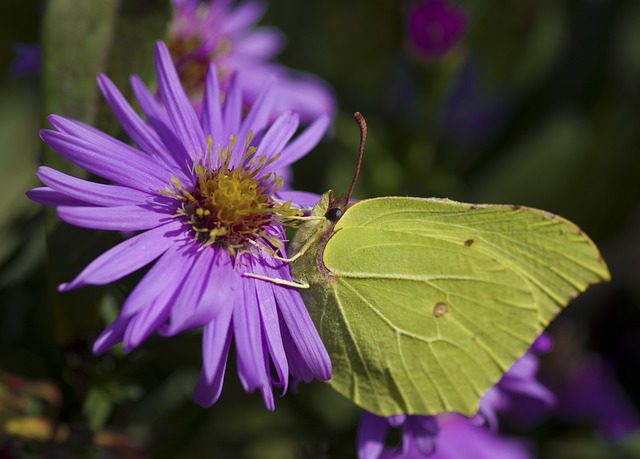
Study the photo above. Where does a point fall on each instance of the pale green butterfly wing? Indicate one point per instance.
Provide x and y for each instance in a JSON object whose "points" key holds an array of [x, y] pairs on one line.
{"points": [[424, 303]]}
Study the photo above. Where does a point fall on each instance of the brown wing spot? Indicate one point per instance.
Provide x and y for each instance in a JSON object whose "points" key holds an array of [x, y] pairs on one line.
{"points": [[468, 242], [515, 207], [440, 309]]}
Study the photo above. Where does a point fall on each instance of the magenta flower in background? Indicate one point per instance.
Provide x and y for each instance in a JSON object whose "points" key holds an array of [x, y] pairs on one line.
{"points": [[434, 27], [206, 197], [219, 31]]}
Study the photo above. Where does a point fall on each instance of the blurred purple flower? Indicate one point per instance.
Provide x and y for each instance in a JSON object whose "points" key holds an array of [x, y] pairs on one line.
{"points": [[452, 436], [456, 436], [219, 32], [592, 394], [418, 436], [27, 60], [474, 112], [460, 439], [206, 198], [434, 27]]}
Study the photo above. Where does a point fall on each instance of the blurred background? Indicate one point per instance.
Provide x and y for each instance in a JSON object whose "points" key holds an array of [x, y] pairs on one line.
{"points": [[534, 103]]}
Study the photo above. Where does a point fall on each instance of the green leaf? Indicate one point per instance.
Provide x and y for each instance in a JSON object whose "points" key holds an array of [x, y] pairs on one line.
{"points": [[80, 40], [140, 24], [423, 304], [76, 38]]}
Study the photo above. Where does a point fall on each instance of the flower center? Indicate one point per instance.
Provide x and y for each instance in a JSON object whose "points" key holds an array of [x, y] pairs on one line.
{"points": [[233, 207], [191, 56]]}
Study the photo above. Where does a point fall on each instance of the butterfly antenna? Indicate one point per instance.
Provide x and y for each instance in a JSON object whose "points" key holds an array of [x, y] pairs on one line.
{"points": [[363, 137]]}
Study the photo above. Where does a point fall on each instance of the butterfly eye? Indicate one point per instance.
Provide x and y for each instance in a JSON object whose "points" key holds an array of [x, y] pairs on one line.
{"points": [[333, 214]]}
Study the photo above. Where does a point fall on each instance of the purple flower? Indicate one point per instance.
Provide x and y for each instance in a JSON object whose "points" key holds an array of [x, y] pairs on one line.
{"points": [[219, 32], [460, 439], [27, 60], [452, 436], [206, 197], [446, 436], [434, 27], [418, 436]]}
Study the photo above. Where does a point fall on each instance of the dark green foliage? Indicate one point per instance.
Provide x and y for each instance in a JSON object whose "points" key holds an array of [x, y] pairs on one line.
{"points": [[539, 105]]}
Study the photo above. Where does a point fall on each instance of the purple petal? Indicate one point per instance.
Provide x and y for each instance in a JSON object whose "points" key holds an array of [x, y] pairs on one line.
{"points": [[302, 144], [148, 320], [243, 16], [79, 129], [126, 257], [307, 95], [115, 162], [258, 116], [262, 43], [122, 218], [397, 420], [247, 330], [181, 113], [90, 192], [271, 323], [423, 430], [148, 305], [232, 111], [162, 280], [212, 108], [542, 344], [49, 197], [372, 432], [300, 199], [158, 119], [521, 380], [145, 137], [216, 340], [204, 292], [110, 336], [302, 331], [311, 97], [278, 135], [185, 6], [460, 439]]}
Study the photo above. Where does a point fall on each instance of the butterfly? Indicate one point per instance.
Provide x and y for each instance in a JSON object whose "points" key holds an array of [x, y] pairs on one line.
{"points": [[423, 303]]}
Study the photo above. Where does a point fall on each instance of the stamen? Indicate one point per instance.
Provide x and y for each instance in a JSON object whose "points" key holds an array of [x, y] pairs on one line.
{"points": [[233, 206], [277, 281]]}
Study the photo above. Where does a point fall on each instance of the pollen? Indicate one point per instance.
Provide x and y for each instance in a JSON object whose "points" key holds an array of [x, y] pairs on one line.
{"points": [[233, 206]]}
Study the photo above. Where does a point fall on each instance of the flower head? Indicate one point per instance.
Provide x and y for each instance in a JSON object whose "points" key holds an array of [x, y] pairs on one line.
{"points": [[207, 198], [434, 27], [217, 31]]}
